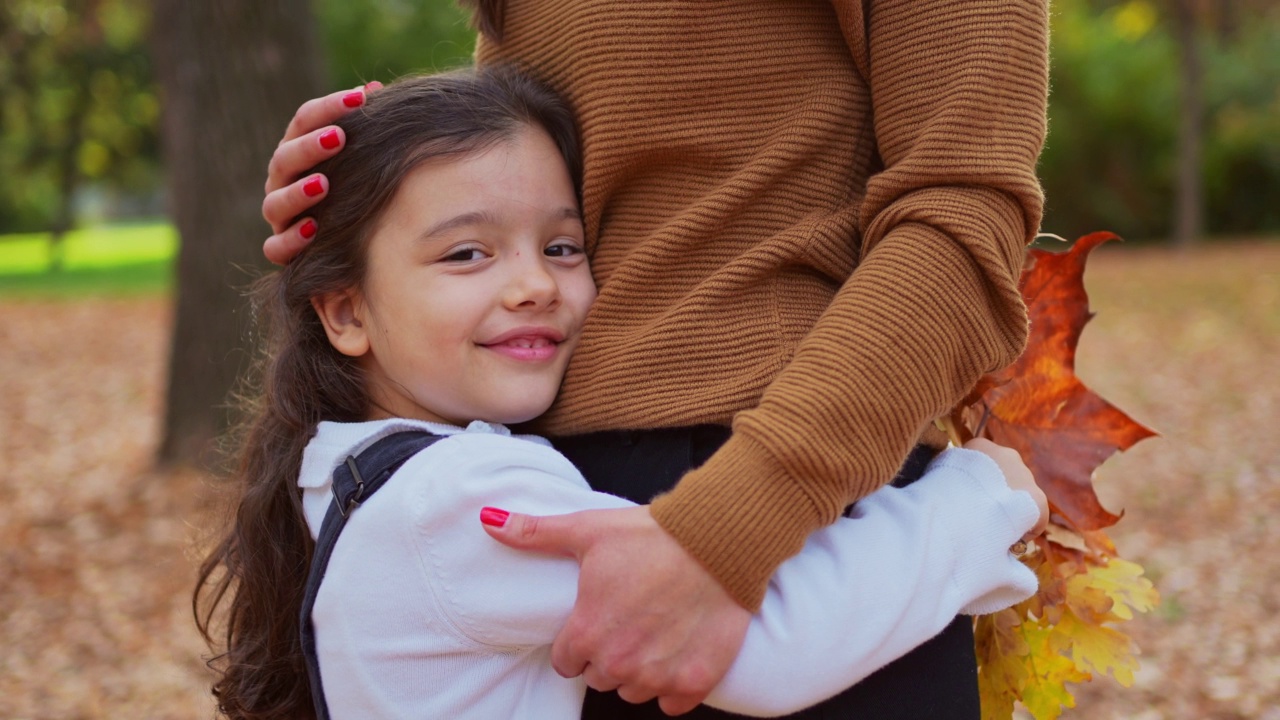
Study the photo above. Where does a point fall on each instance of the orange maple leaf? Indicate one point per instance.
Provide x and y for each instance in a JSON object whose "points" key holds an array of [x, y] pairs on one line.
{"points": [[1038, 406]]}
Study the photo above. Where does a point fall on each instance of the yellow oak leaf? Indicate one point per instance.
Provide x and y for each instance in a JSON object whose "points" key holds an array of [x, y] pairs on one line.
{"points": [[1002, 661], [1088, 601], [997, 701], [1045, 695], [1097, 648], [1122, 581]]}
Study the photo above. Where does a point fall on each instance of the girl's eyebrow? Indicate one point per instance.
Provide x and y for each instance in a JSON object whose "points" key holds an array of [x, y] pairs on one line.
{"points": [[482, 217], [477, 217]]}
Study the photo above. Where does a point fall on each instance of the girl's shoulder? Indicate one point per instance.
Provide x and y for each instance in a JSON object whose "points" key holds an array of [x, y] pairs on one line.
{"points": [[480, 448], [334, 442], [481, 453], [484, 457]]}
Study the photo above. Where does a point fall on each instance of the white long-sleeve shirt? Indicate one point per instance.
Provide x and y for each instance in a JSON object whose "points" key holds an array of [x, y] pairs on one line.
{"points": [[422, 615]]}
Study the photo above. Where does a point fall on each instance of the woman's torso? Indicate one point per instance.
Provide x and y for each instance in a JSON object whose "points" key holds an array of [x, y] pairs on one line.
{"points": [[727, 147]]}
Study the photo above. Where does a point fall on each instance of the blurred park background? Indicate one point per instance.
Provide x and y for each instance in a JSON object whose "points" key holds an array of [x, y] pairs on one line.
{"points": [[128, 124]]}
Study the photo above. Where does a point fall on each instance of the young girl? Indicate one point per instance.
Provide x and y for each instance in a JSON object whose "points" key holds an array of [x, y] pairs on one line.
{"points": [[446, 293]]}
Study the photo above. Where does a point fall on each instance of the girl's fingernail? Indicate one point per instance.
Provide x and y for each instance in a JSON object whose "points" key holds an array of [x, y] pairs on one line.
{"points": [[494, 516], [313, 187], [329, 139], [353, 99], [307, 229], [373, 85]]}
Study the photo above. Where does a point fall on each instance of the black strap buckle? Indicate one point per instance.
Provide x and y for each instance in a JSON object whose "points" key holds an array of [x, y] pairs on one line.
{"points": [[351, 503]]}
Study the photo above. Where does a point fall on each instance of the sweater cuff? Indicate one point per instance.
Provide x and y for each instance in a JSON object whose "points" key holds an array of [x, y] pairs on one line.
{"points": [[740, 531]]}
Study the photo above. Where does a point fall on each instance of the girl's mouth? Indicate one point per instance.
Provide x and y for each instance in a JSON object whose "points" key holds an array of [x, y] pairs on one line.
{"points": [[534, 346]]}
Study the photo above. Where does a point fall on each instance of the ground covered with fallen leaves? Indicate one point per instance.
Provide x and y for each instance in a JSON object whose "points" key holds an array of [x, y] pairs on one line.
{"points": [[96, 559]]}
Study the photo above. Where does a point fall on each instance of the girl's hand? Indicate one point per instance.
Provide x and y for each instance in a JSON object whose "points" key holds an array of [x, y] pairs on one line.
{"points": [[309, 139], [1017, 475]]}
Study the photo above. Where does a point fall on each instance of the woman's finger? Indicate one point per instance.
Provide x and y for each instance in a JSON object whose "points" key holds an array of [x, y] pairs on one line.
{"points": [[310, 137], [635, 694], [293, 158], [285, 246], [319, 112], [597, 680], [280, 207]]}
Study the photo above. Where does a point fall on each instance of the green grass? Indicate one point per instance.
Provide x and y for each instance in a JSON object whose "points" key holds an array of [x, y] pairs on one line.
{"points": [[116, 260]]}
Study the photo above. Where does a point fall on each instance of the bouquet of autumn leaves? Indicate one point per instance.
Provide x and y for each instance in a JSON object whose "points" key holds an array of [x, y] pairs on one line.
{"points": [[1063, 431]]}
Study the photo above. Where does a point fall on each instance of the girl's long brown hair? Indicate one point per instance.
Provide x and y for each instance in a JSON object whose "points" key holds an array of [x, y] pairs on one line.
{"points": [[250, 588]]}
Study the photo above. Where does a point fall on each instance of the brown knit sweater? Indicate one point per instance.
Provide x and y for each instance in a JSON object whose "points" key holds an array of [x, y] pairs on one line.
{"points": [[807, 219]]}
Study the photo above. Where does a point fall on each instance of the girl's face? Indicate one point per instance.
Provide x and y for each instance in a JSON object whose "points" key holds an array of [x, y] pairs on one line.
{"points": [[476, 289]]}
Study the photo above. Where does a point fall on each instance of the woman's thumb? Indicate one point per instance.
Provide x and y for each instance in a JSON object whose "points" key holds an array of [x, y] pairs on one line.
{"points": [[551, 534]]}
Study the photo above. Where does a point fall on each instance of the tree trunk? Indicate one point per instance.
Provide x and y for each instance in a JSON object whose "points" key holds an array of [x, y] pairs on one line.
{"points": [[78, 61], [232, 73], [1189, 208], [68, 170], [67, 161], [1228, 21]]}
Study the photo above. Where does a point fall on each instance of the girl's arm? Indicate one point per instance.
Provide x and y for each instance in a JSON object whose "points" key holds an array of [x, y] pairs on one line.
{"points": [[865, 591], [859, 595], [491, 594]]}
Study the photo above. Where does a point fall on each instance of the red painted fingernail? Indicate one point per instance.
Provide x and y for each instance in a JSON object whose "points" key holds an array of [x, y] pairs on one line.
{"points": [[313, 187], [329, 139], [494, 516], [307, 229], [353, 99]]}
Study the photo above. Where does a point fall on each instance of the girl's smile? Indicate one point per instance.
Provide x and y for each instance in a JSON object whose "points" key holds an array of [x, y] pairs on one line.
{"points": [[528, 344], [476, 288]]}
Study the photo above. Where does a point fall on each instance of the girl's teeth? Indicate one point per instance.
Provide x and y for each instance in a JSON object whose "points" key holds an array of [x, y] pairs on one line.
{"points": [[540, 342]]}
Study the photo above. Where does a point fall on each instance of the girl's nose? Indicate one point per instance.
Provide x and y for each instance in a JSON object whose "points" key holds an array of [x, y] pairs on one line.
{"points": [[532, 286]]}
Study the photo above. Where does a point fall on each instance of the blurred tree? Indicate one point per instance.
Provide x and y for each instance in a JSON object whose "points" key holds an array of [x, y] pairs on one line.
{"points": [[1188, 220], [1242, 117], [1108, 157], [1112, 159], [232, 73], [79, 107]]}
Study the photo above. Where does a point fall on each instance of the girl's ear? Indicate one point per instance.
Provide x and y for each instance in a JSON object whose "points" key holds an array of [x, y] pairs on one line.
{"points": [[340, 313]]}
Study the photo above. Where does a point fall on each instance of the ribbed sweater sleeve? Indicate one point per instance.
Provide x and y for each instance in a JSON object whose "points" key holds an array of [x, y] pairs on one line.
{"points": [[958, 94]]}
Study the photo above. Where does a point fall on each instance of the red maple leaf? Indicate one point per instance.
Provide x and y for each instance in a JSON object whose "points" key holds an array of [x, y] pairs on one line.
{"points": [[1038, 406]]}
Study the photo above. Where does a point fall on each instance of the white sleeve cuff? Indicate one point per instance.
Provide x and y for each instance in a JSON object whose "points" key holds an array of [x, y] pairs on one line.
{"points": [[993, 577]]}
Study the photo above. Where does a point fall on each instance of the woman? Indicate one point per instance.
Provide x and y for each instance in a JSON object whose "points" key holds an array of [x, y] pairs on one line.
{"points": [[816, 213]]}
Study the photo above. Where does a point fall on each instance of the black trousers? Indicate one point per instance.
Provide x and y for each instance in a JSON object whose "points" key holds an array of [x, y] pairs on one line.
{"points": [[936, 680]]}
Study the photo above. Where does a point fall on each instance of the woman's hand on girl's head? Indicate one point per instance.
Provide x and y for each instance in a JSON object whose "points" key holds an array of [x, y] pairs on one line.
{"points": [[1017, 475], [290, 190]]}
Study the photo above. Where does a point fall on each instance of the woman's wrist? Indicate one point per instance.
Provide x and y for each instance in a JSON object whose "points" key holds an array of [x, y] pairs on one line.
{"points": [[741, 515]]}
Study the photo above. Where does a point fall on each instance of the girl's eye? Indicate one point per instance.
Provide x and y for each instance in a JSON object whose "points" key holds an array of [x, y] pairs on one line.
{"points": [[464, 255], [562, 249]]}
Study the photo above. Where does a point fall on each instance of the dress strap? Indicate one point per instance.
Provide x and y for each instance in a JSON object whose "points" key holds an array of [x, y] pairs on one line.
{"points": [[353, 483]]}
